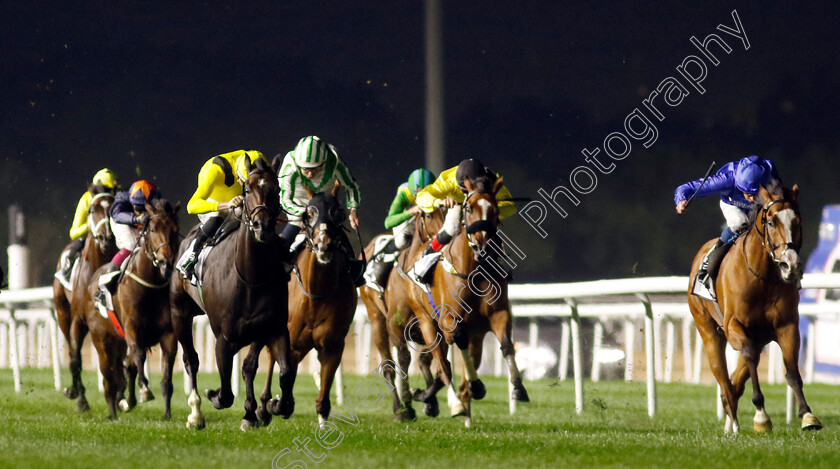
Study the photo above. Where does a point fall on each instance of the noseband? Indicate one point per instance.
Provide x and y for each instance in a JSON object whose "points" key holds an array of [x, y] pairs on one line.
{"points": [[765, 241], [479, 225], [94, 228]]}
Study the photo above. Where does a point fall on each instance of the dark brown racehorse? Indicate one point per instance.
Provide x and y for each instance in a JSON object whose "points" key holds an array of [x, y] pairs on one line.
{"points": [[757, 290], [322, 296], [99, 248], [244, 296], [391, 316], [142, 305], [470, 299]]}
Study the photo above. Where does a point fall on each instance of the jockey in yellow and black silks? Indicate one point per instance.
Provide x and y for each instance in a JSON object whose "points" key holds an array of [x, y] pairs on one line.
{"points": [[104, 181], [219, 190]]}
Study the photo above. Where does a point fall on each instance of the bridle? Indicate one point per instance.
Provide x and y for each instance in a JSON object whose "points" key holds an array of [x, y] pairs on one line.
{"points": [[152, 254], [93, 228], [483, 224], [768, 246]]}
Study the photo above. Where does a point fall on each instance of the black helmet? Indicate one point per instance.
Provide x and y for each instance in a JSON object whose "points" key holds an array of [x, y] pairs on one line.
{"points": [[469, 169]]}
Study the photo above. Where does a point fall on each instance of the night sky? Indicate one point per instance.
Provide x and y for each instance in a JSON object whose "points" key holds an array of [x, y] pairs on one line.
{"points": [[154, 89]]}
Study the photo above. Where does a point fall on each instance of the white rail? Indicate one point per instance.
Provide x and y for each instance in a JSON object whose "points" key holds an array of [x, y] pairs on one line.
{"points": [[29, 316]]}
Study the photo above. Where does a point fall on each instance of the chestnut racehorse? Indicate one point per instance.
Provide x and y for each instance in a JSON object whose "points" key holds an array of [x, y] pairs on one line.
{"points": [[99, 248], [322, 296], [757, 290], [470, 299], [390, 313], [243, 294], [141, 304]]}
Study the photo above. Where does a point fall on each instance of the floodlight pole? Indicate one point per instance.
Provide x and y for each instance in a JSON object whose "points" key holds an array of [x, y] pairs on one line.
{"points": [[435, 157]]}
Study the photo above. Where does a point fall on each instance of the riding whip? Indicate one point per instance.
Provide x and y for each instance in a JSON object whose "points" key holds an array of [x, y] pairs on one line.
{"points": [[705, 178]]}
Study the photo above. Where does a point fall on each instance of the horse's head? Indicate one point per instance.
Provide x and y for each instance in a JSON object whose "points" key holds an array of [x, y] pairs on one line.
{"points": [[99, 221], [262, 199], [780, 226], [161, 235], [323, 220], [481, 212]]}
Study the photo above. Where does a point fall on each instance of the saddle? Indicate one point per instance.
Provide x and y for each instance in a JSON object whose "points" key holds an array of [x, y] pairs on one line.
{"points": [[229, 226]]}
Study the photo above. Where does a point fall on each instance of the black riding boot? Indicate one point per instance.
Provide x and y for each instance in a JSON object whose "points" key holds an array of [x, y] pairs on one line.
{"points": [[205, 232], [711, 264]]}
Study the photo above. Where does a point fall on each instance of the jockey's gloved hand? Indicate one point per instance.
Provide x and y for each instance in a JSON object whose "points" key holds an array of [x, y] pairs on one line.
{"points": [[141, 219]]}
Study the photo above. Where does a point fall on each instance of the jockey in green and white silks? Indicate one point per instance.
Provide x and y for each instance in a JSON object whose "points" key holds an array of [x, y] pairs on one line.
{"points": [[401, 219], [315, 164]]}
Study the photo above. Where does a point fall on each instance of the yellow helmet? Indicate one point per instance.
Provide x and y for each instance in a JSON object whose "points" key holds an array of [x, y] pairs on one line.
{"points": [[105, 179]]}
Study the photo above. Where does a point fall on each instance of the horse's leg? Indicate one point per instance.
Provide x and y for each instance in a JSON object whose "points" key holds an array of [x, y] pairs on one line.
{"points": [[379, 332], [403, 359], [715, 344], [146, 394], [433, 385], [263, 415], [107, 368], [222, 398], [501, 325], [65, 323], [750, 356], [788, 339], [330, 358], [78, 331], [182, 327], [472, 359], [288, 362], [431, 336], [168, 350], [133, 364], [249, 372]]}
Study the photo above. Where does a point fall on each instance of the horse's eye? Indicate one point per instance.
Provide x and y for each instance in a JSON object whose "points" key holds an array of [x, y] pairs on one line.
{"points": [[153, 230], [770, 223]]}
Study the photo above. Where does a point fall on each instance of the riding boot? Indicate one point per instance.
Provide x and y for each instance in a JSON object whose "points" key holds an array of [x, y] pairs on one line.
{"points": [[711, 263], [205, 232], [423, 269], [376, 274], [107, 284]]}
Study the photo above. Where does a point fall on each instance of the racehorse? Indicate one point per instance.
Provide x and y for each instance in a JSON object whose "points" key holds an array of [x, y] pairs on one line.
{"points": [[141, 312], [99, 248], [390, 314], [243, 295], [757, 290], [468, 298], [322, 296]]}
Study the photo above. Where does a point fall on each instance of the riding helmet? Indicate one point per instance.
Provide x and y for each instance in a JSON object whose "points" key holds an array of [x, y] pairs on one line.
{"points": [[751, 173], [419, 179], [311, 152]]}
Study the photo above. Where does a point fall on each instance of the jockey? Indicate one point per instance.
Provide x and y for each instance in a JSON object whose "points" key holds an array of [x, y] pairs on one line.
{"points": [[104, 181], [315, 163], [401, 217], [449, 191], [128, 214], [219, 190], [737, 183]]}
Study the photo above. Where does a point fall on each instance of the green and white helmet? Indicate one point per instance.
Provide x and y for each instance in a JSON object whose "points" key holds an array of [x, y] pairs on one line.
{"points": [[311, 152]]}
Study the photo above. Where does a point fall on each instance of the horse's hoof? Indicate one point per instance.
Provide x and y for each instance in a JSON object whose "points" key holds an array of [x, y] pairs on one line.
{"points": [[431, 409], [71, 393], [196, 422], [761, 422], [285, 408], [82, 405], [405, 414], [468, 422], [520, 394], [457, 410], [248, 425], [146, 396], [416, 394], [215, 397], [263, 416], [809, 422], [478, 390], [124, 405]]}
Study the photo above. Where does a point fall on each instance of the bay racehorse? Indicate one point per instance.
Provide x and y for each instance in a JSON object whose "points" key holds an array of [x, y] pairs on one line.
{"points": [[757, 291], [99, 248], [392, 324], [468, 298], [141, 313], [322, 296], [243, 293]]}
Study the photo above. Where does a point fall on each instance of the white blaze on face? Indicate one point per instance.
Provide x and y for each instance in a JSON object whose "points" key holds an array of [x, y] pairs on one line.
{"points": [[789, 258], [484, 206], [261, 183]]}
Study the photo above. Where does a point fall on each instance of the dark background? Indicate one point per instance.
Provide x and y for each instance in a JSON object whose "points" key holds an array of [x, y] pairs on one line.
{"points": [[153, 90]]}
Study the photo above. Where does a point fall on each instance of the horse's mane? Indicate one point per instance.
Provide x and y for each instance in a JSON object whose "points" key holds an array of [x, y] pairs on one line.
{"points": [[161, 205]]}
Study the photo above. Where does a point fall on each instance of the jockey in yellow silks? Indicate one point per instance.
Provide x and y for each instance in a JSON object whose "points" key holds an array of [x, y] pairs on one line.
{"points": [[104, 181], [219, 190], [449, 191]]}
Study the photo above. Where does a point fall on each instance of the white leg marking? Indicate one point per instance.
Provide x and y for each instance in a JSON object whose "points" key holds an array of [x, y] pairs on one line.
{"points": [[469, 366]]}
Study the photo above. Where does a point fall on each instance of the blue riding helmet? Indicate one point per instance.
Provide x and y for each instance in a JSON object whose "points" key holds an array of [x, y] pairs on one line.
{"points": [[751, 173], [419, 179]]}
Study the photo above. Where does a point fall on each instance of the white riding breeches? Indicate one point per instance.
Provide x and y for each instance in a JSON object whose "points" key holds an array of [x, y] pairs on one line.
{"points": [[125, 235], [403, 233]]}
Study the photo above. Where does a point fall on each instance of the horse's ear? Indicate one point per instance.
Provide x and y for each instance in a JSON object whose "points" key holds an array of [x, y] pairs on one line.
{"points": [[176, 207], [248, 165], [469, 185], [498, 185], [277, 162], [794, 192], [308, 190], [335, 188]]}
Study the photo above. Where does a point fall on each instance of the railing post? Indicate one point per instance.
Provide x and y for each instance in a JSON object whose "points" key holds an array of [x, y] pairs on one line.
{"points": [[810, 351], [649, 351], [576, 355], [686, 347], [598, 338], [671, 347], [563, 368], [53, 326], [629, 348], [13, 348]]}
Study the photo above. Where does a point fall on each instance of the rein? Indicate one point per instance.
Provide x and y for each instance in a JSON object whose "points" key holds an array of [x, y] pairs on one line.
{"points": [[151, 255], [769, 247], [95, 227]]}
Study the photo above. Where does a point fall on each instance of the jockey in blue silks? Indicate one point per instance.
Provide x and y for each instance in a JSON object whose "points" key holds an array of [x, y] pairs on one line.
{"points": [[737, 183]]}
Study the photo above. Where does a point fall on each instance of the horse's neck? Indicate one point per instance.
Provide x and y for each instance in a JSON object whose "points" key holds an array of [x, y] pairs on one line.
{"points": [[93, 255], [756, 256], [253, 259]]}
